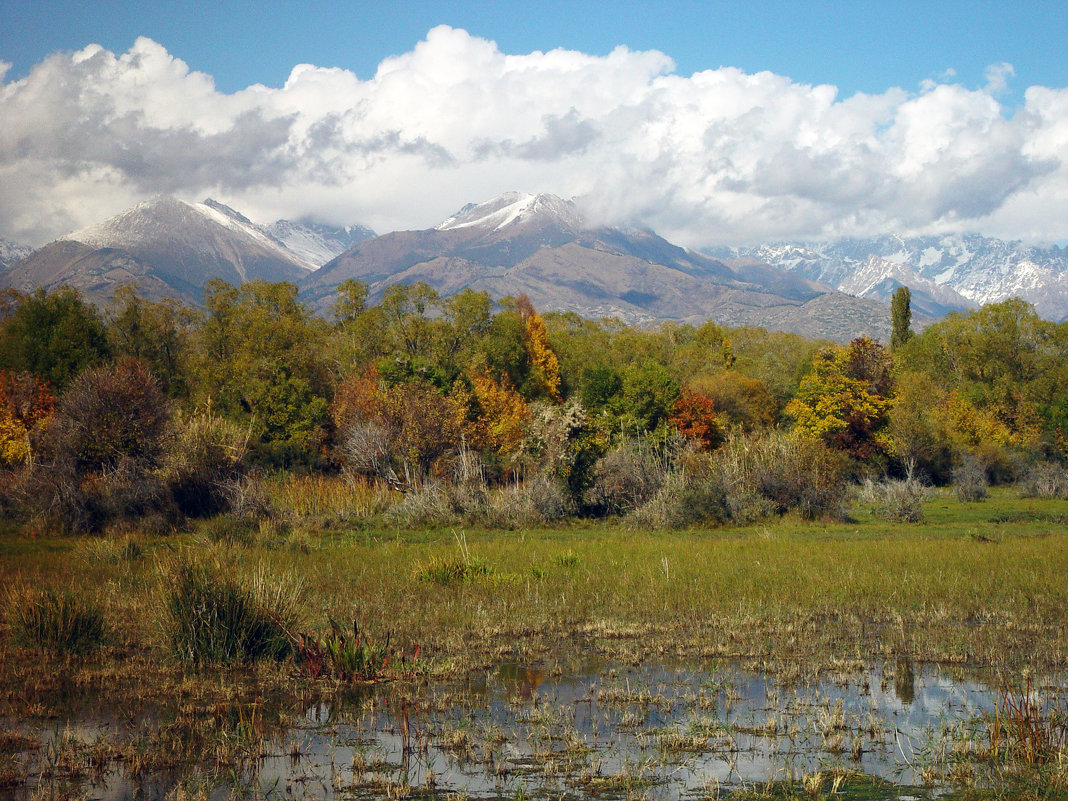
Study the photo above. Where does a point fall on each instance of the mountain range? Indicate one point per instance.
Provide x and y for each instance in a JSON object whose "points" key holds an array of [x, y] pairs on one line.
{"points": [[944, 273], [542, 246], [10, 252]]}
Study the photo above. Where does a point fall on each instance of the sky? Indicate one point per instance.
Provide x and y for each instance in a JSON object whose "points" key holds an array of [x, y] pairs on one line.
{"points": [[713, 123]]}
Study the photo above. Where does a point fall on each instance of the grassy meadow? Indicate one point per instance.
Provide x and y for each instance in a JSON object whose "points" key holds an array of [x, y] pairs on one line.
{"points": [[91, 622], [975, 584]]}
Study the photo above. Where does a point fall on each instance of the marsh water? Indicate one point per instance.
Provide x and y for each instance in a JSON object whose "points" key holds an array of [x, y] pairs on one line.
{"points": [[585, 730]]}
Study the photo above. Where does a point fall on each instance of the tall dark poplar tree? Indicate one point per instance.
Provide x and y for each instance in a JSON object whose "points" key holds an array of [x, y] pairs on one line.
{"points": [[900, 317]]}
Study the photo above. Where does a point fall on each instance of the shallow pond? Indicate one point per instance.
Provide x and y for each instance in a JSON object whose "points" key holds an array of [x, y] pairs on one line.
{"points": [[519, 731]]}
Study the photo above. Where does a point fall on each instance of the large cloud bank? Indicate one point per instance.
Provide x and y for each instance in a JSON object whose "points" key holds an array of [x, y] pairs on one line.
{"points": [[719, 157]]}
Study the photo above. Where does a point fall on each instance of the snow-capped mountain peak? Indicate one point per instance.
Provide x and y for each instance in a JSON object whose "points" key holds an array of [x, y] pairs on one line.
{"points": [[317, 243], [235, 221], [511, 208], [10, 252]]}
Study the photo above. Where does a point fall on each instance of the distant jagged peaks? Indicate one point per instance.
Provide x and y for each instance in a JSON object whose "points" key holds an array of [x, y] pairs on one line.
{"points": [[11, 252], [974, 268], [515, 208], [317, 243]]}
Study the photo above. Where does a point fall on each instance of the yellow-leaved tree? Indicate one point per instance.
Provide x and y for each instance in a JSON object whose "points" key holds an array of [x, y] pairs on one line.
{"points": [[846, 399], [502, 416], [25, 402], [544, 366]]}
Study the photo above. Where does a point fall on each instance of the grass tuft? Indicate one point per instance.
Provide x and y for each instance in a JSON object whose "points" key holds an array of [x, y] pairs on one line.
{"points": [[211, 618], [57, 620]]}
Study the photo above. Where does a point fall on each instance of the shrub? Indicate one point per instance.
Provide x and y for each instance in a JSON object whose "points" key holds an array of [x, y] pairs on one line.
{"points": [[1044, 480], [100, 452], [61, 499], [109, 416], [687, 497], [780, 472], [56, 620], [626, 478], [429, 504], [535, 501], [210, 617], [969, 476], [899, 501]]}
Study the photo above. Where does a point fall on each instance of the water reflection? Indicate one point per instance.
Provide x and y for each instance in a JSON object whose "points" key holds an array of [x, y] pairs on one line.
{"points": [[904, 681], [659, 731]]}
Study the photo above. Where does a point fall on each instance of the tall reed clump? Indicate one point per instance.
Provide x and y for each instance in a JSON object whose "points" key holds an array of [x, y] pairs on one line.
{"points": [[1025, 727], [748, 479], [331, 497], [57, 620], [211, 616]]}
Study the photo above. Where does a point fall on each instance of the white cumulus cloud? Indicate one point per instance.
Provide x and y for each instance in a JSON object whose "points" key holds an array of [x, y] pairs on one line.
{"points": [[718, 157]]}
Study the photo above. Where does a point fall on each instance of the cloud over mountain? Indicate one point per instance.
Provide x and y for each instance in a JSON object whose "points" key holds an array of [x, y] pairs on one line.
{"points": [[720, 156]]}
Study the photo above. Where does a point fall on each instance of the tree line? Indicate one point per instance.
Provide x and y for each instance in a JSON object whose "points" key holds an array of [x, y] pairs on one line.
{"points": [[173, 400]]}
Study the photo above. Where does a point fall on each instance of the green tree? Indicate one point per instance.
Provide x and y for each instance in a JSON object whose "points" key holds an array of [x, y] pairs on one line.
{"points": [[258, 361], [1003, 361], [648, 395], [900, 317], [54, 335], [156, 332]]}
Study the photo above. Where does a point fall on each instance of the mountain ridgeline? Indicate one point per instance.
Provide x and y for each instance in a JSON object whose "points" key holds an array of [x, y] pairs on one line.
{"points": [[543, 247]]}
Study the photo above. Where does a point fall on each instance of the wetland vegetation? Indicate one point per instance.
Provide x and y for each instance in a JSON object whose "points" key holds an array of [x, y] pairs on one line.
{"points": [[440, 549], [790, 658]]}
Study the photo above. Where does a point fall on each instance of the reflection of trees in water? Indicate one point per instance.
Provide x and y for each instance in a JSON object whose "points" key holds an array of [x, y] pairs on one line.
{"points": [[904, 681]]}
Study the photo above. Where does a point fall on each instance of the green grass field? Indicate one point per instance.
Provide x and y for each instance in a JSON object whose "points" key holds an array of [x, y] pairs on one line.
{"points": [[978, 585]]}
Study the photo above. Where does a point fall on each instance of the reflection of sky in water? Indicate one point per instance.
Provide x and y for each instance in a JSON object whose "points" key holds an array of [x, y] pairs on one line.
{"points": [[610, 722]]}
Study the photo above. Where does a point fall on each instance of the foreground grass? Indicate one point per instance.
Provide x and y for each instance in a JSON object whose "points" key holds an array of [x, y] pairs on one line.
{"points": [[977, 584]]}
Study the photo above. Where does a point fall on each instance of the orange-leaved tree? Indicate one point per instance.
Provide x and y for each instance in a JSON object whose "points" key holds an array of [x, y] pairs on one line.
{"points": [[384, 430], [502, 416], [694, 415]]}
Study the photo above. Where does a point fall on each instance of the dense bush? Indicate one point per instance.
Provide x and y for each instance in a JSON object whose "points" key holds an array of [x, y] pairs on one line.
{"points": [[535, 501], [98, 455], [1044, 480], [627, 477], [897, 501], [784, 472], [686, 497], [110, 416]]}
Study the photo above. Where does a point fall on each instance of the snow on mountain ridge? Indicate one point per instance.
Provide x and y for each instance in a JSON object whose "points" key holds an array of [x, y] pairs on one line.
{"points": [[234, 221], [981, 269], [317, 243], [10, 252], [511, 207]]}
